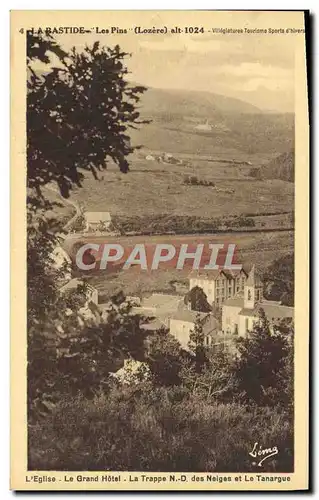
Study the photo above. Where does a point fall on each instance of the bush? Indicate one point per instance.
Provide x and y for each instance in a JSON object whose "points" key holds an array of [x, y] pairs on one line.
{"points": [[194, 181], [159, 430]]}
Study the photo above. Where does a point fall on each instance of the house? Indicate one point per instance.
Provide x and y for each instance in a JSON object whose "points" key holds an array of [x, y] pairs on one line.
{"points": [[97, 221], [204, 127], [239, 314], [182, 323], [219, 285], [159, 305]]}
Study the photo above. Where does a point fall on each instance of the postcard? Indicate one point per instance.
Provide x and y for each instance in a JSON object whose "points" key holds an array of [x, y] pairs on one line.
{"points": [[160, 250]]}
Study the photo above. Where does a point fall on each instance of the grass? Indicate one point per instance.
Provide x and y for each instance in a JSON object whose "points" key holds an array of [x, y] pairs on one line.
{"points": [[158, 188], [158, 430]]}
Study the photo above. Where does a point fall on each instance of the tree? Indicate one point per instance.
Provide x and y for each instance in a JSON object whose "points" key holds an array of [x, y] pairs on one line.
{"points": [[165, 358], [197, 346], [263, 360], [215, 381], [197, 299], [279, 280], [78, 114]]}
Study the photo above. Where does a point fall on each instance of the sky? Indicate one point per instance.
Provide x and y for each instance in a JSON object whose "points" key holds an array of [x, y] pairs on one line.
{"points": [[256, 68]]}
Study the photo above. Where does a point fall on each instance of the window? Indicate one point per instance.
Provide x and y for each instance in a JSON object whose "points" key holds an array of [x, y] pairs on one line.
{"points": [[217, 282], [246, 324], [237, 288], [249, 295]]}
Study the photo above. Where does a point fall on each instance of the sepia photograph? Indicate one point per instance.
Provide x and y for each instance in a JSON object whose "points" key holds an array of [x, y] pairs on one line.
{"points": [[160, 278]]}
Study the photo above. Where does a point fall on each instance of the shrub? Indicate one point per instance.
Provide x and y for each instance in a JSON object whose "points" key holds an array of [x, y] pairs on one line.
{"points": [[148, 429]]}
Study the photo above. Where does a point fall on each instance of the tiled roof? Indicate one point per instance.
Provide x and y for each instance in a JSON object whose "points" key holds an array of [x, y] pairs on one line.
{"points": [[209, 322], [235, 301], [213, 274], [188, 316], [272, 311]]}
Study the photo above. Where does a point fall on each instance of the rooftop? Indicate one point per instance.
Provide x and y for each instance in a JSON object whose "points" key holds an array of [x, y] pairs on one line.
{"points": [[272, 311], [209, 322], [213, 274], [235, 302], [188, 316]]}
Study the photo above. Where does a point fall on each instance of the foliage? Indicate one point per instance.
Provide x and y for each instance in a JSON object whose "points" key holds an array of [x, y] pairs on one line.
{"points": [[195, 181], [85, 107], [179, 224], [165, 358], [197, 346], [78, 113], [279, 280], [141, 428], [197, 299], [264, 356]]}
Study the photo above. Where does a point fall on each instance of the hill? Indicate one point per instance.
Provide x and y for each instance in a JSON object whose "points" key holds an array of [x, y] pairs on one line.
{"points": [[193, 104], [202, 122]]}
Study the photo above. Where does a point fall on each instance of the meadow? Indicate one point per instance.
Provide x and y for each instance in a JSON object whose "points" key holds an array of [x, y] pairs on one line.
{"points": [[159, 188]]}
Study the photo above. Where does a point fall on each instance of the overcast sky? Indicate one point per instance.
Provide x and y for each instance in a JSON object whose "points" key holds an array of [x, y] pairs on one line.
{"points": [[258, 69]]}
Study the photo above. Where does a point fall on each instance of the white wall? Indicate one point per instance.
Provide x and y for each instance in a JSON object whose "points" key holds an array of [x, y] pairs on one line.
{"points": [[230, 318], [208, 287], [181, 330]]}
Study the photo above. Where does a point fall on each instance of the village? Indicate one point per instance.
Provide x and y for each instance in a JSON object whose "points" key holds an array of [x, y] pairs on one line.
{"points": [[226, 303]]}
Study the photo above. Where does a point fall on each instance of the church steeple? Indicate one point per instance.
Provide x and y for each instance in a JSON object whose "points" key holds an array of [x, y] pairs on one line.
{"points": [[249, 290]]}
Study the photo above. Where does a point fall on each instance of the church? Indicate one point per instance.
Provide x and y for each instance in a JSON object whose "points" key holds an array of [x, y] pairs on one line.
{"points": [[239, 314]]}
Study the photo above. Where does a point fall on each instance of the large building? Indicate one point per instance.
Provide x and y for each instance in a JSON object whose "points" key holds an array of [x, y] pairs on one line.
{"points": [[239, 314], [219, 285]]}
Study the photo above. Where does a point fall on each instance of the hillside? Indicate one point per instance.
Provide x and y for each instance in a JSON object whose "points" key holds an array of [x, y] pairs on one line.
{"points": [[202, 122], [193, 104], [282, 167]]}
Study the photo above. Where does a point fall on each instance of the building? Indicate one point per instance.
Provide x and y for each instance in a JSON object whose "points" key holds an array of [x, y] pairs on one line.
{"points": [[205, 127], [182, 323], [97, 221], [239, 314], [219, 285]]}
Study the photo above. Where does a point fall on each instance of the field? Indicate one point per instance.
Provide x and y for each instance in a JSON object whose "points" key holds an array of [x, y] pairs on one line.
{"points": [[158, 188], [206, 186]]}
